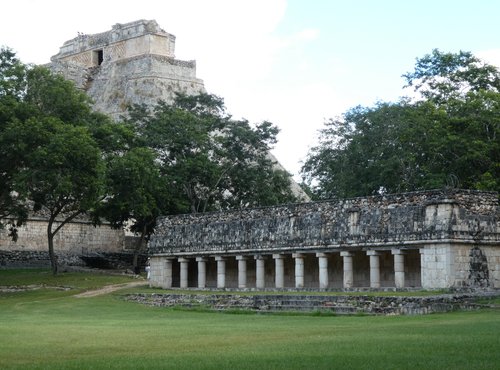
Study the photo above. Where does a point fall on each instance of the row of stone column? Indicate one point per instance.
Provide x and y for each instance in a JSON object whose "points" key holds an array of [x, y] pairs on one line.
{"points": [[348, 276]]}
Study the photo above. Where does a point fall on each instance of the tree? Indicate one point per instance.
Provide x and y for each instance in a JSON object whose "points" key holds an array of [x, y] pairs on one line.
{"points": [[136, 194], [13, 210], [441, 77], [12, 75], [448, 137], [61, 174], [212, 162], [48, 157], [49, 94]]}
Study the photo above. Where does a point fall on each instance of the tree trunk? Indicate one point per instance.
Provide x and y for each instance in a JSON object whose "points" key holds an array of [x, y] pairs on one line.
{"points": [[137, 249], [51, 233], [50, 239]]}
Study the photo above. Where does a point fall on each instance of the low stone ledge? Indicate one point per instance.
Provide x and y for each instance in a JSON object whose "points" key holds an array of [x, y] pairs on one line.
{"points": [[338, 304], [40, 259]]}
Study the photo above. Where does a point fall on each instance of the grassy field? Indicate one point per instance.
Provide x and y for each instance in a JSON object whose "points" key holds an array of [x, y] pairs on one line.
{"points": [[51, 329]]}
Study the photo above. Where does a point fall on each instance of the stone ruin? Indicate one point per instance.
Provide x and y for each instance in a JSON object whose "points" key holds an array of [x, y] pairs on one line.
{"points": [[429, 239], [133, 63]]}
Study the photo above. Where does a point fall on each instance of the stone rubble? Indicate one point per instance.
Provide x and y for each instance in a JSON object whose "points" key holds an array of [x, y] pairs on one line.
{"points": [[336, 304]]}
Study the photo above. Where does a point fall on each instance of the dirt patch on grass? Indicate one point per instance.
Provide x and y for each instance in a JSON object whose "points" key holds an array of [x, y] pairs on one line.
{"points": [[109, 289]]}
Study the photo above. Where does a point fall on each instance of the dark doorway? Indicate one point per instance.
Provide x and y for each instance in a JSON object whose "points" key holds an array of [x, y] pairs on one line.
{"points": [[98, 57]]}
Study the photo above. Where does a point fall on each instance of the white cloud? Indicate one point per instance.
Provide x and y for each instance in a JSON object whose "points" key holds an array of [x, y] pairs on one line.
{"points": [[308, 34], [491, 56], [299, 111]]}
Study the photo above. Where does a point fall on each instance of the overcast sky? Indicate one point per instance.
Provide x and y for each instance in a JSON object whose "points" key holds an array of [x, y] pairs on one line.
{"points": [[294, 63]]}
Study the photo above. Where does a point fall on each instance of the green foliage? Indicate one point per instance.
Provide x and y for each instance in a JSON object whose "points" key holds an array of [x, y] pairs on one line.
{"points": [[12, 86], [113, 138], [51, 95], [443, 76], [48, 157], [135, 187], [65, 160], [136, 193], [12, 75], [211, 161], [447, 138], [62, 168]]}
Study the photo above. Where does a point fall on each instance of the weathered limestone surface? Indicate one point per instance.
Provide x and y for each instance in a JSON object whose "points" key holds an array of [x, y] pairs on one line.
{"points": [[378, 305], [73, 244], [72, 238], [133, 63], [432, 239], [380, 221], [460, 265]]}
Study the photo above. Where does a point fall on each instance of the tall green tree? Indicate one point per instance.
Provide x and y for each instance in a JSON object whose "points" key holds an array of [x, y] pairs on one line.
{"points": [[13, 210], [210, 160], [447, 137], [136, 194], [62, 172], [12, 75], [442, 77], [50, 94], [49, 158]]}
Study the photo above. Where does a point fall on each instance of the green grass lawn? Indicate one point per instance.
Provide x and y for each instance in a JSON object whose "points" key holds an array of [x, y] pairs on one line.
{"points": [[52, 329]]}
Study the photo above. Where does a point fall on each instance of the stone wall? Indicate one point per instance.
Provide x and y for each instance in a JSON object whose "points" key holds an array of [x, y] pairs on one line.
{"points": [[40, 259], [400, 220], [461, 266], [122, 41], [78, 244], [141, 80], [76, 238], [338, 304]]}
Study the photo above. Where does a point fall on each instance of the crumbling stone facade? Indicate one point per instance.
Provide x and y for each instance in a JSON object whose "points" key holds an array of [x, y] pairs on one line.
{"points": [[75, 242], [433, 239], [133, 63]]}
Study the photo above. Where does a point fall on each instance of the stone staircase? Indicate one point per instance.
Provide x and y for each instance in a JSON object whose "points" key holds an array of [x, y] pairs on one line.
{"points": [[334, 304]]}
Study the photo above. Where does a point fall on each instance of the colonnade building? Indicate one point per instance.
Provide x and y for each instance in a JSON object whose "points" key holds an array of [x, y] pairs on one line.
{"points": [[430, 240]]}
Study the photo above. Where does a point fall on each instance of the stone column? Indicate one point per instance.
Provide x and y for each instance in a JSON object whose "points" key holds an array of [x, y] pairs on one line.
{"points": [[184, 272], [221, 271], [161, 272], [374, 268], [299, 270], [202, 271], [260, 272], [423, 266], [242, 271], [348, 269], [167, 278], [323, 270], [399, 267], [279, 280]]}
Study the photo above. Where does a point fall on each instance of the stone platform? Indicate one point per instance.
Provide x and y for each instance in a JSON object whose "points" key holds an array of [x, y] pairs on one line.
{"points": [[333, 304]]}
